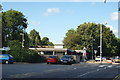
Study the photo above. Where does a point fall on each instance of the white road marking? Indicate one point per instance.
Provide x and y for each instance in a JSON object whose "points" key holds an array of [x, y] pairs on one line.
{"points": [[105, 67], [23, 75], [74, 68], [88, 73], [110, 66], [98, 69], [102, 65]]}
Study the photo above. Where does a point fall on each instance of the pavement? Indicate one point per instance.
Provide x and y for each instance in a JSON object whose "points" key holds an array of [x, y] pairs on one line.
{"points": [[98, 62]]}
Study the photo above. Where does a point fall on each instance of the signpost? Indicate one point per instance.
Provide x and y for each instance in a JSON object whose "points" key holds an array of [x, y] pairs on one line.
{"points": [[95, 51], [84, 54]]}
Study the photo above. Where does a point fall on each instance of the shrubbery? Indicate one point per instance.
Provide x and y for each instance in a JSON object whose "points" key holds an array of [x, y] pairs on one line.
{"points": [[23, 54]]}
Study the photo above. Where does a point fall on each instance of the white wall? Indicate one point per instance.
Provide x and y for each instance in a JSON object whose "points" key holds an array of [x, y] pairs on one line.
{"points": [[58, 46]]}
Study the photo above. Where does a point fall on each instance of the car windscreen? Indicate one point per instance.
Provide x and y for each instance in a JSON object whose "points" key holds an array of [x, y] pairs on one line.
{"points": [[11, 56], [117, 58], [66, 57], [52, 56]]}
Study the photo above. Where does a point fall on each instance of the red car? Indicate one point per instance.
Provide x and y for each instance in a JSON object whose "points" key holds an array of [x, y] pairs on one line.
{"points": [[53, 59]]}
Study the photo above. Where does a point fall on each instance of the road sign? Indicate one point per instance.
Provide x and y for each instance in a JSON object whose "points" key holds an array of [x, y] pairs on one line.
{"points": [[95, 51], [84, 50]]}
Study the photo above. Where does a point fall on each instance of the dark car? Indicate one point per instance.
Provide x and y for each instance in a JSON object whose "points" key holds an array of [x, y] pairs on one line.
{"points": [[53, 59], [6, 59], [67, 59]]}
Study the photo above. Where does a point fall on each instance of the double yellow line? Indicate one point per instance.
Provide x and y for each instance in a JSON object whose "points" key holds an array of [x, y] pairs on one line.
{"points": [[117, 77]]}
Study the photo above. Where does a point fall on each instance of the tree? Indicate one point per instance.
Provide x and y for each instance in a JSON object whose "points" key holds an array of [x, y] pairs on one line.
{"points": [[23, 54], [13, 23], [45, 41], [70, 39], [88, 35], [0, 7], [35, 38]]}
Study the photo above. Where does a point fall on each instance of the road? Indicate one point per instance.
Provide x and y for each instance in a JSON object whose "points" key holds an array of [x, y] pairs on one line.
{"points": [[43, 70]]}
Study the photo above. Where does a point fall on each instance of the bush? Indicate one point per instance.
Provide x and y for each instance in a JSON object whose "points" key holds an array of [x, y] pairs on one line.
{"points": [[23, 54]]}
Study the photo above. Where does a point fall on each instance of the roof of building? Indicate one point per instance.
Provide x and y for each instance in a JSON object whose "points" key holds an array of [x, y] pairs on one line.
{"points": [[49, 49], [58, 44]]}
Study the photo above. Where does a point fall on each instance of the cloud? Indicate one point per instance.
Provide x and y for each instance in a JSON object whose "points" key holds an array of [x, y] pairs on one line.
{"points": [[50, 11], [109, 26], [36, 23], [114, 16], [115, 31]]}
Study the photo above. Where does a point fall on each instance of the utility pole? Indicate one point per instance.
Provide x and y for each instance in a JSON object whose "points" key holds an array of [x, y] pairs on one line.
{"points": [[22, 39], [118, 19], [0, 34], [101, 43], [92, 47], [22, 44]]}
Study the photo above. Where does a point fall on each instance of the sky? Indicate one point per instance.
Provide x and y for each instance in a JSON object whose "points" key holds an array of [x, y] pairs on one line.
{"points": [[54, 19]]}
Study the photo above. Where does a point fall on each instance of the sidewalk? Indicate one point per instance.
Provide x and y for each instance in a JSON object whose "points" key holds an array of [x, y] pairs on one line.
{"points": [[98, 62]]}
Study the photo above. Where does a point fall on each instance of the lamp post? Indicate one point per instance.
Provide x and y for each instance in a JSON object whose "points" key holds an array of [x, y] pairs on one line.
{"points": [[101, 42], [22, 39], [22, 44], [92, 48]]}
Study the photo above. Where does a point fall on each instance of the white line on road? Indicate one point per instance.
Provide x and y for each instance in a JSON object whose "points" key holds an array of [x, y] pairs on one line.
{"points": [[22, 75], [110, 66], [90, 72], [102, 65]]}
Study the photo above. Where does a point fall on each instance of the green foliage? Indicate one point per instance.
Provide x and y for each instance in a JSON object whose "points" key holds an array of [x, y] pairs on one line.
{"points": [[50, 44], [34, 38], [0, 7], [23, 54], [88, 35], [45, 41], [13, 23]]}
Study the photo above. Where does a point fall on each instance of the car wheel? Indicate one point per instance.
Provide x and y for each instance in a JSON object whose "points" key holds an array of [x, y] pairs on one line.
{"points": [[6, 62], [47, 62]]}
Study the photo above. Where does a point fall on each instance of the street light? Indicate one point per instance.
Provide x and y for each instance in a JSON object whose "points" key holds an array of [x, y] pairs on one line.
{"points": [[22, 39], [101, 42], [92, 48], [22, 44]]}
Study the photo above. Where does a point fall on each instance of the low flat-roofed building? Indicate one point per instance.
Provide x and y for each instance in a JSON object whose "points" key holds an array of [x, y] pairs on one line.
{"points": [[58, 50]]}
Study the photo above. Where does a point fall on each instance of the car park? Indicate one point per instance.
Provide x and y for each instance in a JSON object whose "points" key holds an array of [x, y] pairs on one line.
{"points": [[53, 59], [67, 59], [6, 59]]}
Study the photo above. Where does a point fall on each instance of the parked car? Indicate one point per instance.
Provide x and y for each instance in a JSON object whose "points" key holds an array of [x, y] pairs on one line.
{"points": [[109, 60], [116, 59], [6, 59], [53, 59], [67, 59], [97, 58]]}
